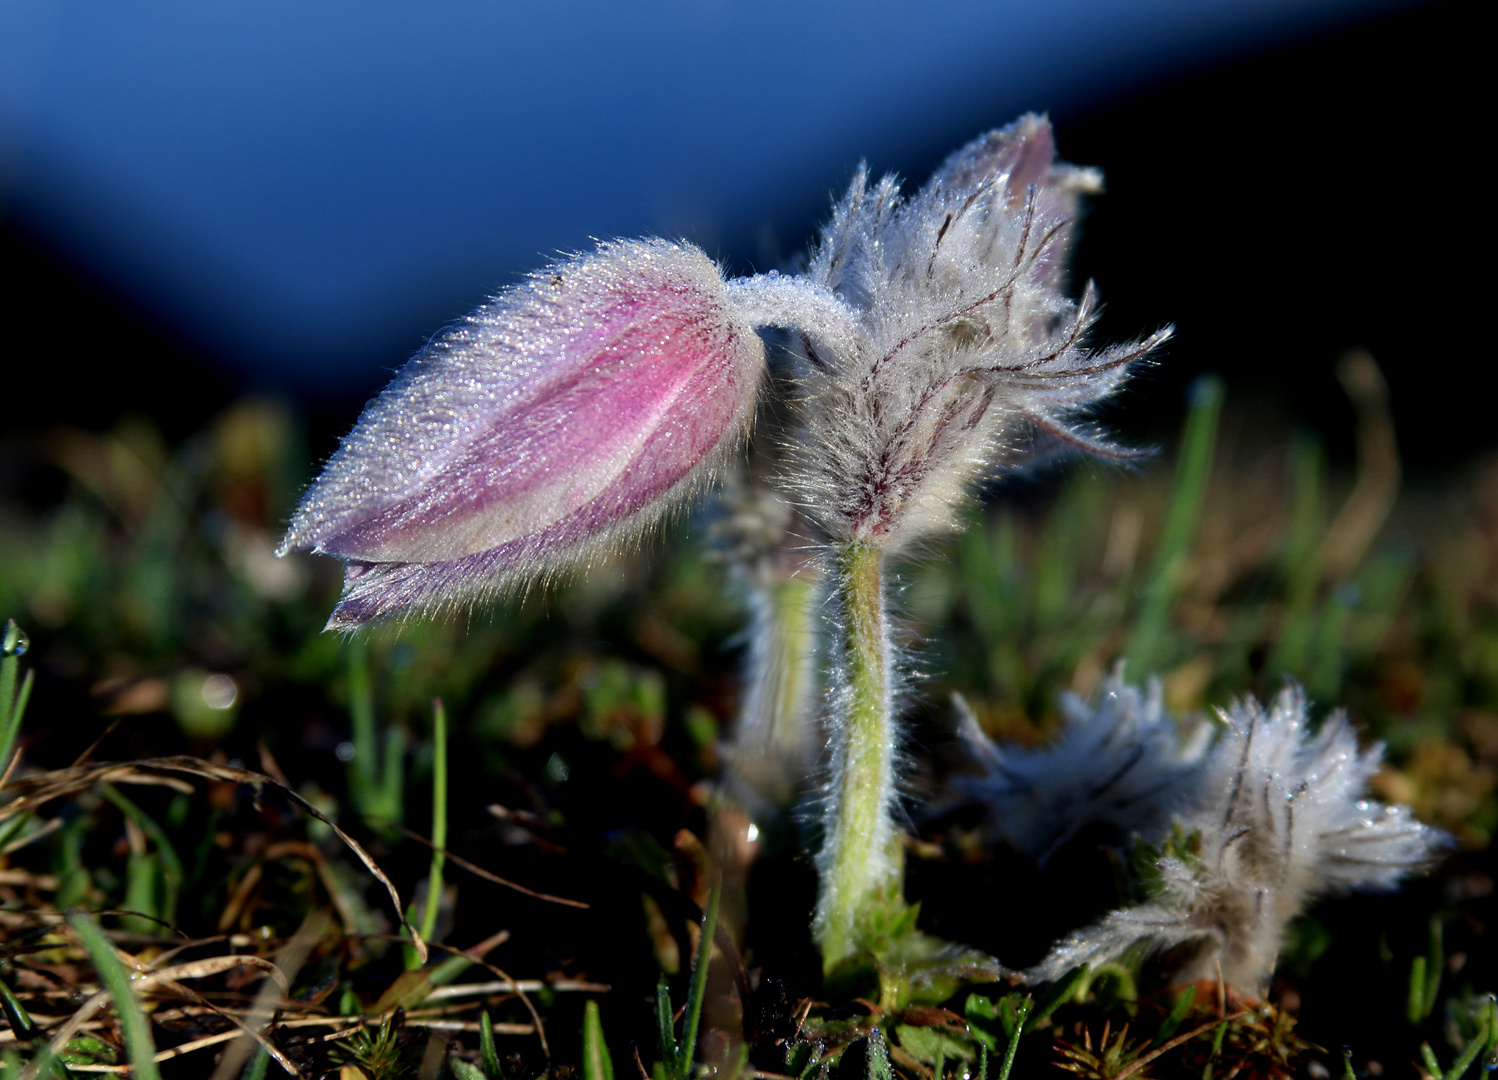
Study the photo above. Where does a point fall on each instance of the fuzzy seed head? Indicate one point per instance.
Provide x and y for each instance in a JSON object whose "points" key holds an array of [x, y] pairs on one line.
{"points": [[1123, 764], [938, 337], [1281, 819]]}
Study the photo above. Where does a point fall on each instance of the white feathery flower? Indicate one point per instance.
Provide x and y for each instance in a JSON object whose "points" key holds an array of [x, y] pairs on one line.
{"points": [[1281, 820], [938, 335], [1122, 763]]}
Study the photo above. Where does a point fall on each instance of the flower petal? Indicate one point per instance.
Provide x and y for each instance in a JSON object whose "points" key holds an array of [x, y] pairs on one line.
{"points": [[580, 406]]}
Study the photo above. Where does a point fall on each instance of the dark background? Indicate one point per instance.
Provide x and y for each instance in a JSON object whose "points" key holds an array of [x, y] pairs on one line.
{"points": [[1280, 196]]}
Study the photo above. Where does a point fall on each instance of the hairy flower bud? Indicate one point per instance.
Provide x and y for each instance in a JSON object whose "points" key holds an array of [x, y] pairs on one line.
{"points": [[937, 336], [558, 421]]}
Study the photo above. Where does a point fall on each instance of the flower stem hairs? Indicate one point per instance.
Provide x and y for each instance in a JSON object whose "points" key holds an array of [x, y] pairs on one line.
{"points": [[569, 416]]}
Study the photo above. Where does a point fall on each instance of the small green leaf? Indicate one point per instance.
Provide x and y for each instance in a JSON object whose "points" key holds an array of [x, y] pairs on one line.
{"points": [[1177, 1013], [1054, 998], [878, 1058], [1431, 1062], [487, 1053], [981, 1016], [666, 1028], [933, 1046], [409, 989], [596, 1063]]}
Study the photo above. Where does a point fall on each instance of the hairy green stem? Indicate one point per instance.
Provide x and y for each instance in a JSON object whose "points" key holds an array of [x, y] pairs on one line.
{"points": [[859, 863]]}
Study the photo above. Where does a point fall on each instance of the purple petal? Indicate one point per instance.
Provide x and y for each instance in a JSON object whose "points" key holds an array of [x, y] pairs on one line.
{"points": [[574, 409], [1023, 151]]}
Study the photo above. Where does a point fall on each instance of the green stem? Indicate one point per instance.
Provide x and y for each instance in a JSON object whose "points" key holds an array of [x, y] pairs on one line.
{"points": [[859, 863]]}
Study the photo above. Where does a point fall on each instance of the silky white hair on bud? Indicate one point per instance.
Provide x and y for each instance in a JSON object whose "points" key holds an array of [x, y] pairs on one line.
{"points": [[1123, 763], [1281, 819]]}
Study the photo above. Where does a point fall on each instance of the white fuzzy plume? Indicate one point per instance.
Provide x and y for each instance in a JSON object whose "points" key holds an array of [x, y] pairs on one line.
{"points": [[1281, 820], [1122, 764]]}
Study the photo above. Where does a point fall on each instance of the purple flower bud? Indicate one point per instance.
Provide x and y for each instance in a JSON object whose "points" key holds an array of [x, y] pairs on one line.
{"points": [[561, 419]]}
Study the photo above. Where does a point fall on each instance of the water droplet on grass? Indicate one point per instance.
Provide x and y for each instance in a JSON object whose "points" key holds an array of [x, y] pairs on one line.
{"points": [[16, 641]]}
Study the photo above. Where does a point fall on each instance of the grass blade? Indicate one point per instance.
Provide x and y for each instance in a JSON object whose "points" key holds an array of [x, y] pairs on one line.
{"points": [[1054, 997], [1482, 1042], [596, 1063], [113, 978], [879, 1067], [439, 819], [700, 964], [488, 1056], [666, 1026], [1192, 470], [1021, 1013], [364, 768], [1177, 1014]]}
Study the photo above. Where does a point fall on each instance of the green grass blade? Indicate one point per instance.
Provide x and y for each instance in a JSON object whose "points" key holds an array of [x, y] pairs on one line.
{"points": [[1482, 1042], [171, 865], [700, 964], [11, 648], [439, 819], [112, 977], [1222, 1030], [1053, 999], [596, 1063], [666, 1026], [364, 769], [390, 800], [1177, 1014], [18, 710], [1435, 961], [16, 1014], [1414, 1004], [257, 1066], [1301, 568], [1192, 470], [488, 1056], [1021, 1013], [879, 1067], [462, 1070]]}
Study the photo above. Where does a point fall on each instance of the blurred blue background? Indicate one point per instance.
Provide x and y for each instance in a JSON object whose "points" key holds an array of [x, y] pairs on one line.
{"points": [[296, 194]]}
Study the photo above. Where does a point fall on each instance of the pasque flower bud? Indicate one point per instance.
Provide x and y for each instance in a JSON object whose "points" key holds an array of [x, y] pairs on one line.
{"points": [[560, 420]]}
